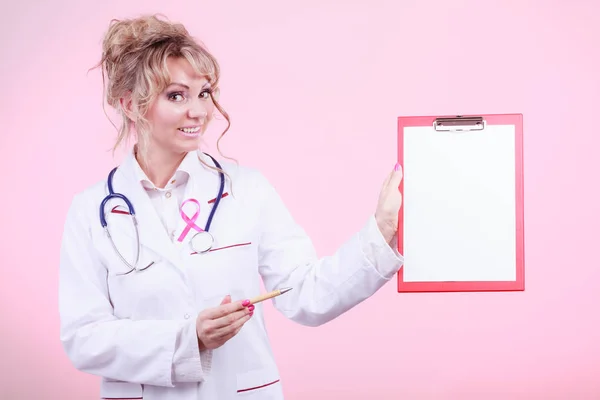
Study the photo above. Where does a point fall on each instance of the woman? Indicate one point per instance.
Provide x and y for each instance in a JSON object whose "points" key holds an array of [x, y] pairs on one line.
{"points": [[181, 326]]}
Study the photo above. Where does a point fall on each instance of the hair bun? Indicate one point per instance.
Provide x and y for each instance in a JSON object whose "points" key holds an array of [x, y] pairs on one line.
{"points": [[125, 37]]}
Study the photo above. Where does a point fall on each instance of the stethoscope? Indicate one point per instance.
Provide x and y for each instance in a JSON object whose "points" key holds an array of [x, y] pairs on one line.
{"points": [[201, 242]]}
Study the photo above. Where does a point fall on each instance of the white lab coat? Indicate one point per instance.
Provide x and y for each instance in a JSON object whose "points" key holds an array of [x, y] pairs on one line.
{"points": [[137, 331]]}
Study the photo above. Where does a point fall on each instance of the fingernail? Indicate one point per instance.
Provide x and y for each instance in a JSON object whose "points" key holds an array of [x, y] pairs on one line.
{"points": [[251, 312], [251, 308], [246, 302], [397, 167]]}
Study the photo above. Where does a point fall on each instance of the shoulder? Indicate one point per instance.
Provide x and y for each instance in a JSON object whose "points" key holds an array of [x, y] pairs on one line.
{"points": [[246, 179], [85, 202], [92, 193]]}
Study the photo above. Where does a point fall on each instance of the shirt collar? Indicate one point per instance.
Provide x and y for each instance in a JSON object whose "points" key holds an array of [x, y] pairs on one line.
{"points": [[180, 177]]}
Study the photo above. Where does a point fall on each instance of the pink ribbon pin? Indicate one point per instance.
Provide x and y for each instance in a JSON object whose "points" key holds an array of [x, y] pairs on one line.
{"points": [[190, 222]]}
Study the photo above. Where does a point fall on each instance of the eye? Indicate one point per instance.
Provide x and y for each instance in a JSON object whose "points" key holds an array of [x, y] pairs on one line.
{"points": [[177, 96], [205, 94]]}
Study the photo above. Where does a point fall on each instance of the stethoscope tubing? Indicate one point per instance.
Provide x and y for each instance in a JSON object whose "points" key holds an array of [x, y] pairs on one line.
{"points": [[131, 211]]}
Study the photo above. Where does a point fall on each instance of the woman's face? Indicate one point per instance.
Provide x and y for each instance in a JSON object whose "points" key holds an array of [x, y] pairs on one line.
{"points": [[180, 114]]}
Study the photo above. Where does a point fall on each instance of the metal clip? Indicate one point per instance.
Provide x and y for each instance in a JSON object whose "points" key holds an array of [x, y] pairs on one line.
{"points": [[459, 124]]}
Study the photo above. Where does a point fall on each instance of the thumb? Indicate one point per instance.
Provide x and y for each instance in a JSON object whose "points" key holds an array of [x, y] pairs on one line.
{"points": [[396, 176], [226, 299]]}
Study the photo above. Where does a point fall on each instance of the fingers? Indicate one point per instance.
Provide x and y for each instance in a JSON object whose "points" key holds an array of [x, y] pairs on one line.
{"points": [[220, 330], [224, 309], [215, 326], [230, 319], [394, 177], [227, 332]]}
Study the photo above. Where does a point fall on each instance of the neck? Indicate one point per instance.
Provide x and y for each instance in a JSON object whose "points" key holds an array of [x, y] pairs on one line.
{"points": [[160, 166]]}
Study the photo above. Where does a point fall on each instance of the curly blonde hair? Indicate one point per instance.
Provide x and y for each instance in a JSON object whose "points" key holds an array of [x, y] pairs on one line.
{"points": [[134, 63]]}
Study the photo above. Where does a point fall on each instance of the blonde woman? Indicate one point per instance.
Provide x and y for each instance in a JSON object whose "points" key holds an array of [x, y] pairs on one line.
{"points": [[159, 308]]}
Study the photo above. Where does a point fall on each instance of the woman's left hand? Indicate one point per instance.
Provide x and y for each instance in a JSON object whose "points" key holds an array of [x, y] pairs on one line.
{"points": [[388, 205]]}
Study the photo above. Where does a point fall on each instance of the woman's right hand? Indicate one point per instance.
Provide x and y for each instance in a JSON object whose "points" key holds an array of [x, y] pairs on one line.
{"points": [[215, 326]]}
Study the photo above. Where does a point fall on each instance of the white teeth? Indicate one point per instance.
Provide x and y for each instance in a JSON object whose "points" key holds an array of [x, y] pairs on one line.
{"points": [[190, 130]]}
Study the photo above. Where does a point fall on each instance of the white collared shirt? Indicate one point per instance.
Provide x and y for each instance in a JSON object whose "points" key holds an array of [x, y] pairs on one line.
{"points": [[167, 201]]}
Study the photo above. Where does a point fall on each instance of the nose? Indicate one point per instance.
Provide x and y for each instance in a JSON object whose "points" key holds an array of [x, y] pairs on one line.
{"points": [[197, 110]]}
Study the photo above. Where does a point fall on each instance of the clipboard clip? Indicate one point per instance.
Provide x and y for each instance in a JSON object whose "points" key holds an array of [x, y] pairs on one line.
{"points": [[459, 124]]}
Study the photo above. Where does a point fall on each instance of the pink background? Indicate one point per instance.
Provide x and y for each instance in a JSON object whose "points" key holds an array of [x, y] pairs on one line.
{"points": [[314, 89]]}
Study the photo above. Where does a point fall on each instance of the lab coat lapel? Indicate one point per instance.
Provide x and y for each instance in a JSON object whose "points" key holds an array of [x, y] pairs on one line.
{"points": [[203, 186], [152, 233]]}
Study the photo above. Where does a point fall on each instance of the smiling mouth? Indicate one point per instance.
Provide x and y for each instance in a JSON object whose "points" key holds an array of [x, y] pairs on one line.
{"points": [[195, 129], [190, 132]]}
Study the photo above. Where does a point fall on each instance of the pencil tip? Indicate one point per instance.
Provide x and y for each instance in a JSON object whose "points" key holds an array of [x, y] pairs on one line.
{"points": [[284, 290]]}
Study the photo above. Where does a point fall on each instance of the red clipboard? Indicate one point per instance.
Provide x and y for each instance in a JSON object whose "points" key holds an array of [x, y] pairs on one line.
{"points": [[461, 230]]}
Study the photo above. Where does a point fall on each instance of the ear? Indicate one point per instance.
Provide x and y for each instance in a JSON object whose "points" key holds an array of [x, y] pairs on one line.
{"points": [[127, 106]]}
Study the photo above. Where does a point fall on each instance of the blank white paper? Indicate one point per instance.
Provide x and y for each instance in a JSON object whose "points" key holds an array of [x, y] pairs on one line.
{"points": [[459, 205]]}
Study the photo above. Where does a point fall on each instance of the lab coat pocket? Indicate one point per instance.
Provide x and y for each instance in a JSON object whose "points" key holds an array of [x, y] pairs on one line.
{"points": [[261, 384], [225, 269], [110, 389], [231, 246]]}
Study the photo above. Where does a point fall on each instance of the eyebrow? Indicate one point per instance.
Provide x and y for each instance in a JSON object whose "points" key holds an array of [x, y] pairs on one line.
{"points": [[206, 85]]}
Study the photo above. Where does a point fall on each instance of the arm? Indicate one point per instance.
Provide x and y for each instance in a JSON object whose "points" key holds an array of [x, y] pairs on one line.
{"points": [[154, 352], [323, 288]]}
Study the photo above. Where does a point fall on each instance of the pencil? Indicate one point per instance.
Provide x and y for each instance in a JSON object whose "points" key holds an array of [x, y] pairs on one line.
{"points": [[269, 295]]}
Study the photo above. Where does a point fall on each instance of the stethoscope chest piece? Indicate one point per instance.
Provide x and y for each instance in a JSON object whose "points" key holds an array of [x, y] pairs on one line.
{"points": [[202, 242]]}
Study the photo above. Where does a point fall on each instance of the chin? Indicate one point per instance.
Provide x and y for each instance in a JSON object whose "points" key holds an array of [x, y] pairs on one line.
{"points": [[188, 143], [188, 147]]}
